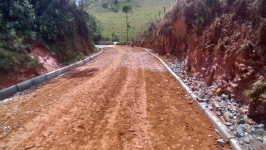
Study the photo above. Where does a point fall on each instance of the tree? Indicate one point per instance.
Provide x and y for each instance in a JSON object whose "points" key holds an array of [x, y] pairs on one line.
{"points": [[126, 9], [116, 4]]}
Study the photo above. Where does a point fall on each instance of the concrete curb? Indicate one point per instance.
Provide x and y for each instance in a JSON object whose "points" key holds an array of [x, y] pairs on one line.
{"points": [[12, 90], [38, 80], [25, 85], [8, 92], [223, 131]]}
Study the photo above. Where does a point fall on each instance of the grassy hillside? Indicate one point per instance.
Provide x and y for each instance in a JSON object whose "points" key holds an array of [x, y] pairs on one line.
{"points": [[114, 22]]}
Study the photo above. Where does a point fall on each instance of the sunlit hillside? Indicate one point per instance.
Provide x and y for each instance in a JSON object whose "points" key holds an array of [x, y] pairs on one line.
{"points": [[114, 23]]}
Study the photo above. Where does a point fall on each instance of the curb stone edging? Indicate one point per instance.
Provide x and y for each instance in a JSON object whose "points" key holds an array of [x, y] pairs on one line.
{"points": [[228, 135], [12, 90]]}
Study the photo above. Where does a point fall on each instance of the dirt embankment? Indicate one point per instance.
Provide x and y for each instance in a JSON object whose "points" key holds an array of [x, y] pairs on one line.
{"points": [[48, 61], [123, 99], [45, 62], [221, 42]]}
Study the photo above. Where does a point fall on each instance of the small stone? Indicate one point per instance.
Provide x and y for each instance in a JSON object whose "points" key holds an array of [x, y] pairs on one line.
{"points": [[241, 121], [250, 137], [227, 123], [264, 140], [219, 91], [246, 127], [239, 132], [193, 84], [246, 134], [223, 104], [210, 107], [252, 131], [199, 99], [260, 131], [218, 113], [260, 126], [230, 107], [216, 131], [226, 116], [222, 119], [248, 146], [245, 111], [191, 102], [246, 139], [231, 115], [231, 128], [250, 121], [260, 138], [240, 142], [220, 142], [216, 105]]}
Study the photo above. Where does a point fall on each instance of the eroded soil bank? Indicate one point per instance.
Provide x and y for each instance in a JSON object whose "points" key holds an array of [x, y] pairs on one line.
{"points": [[123, 99], [221, 43]]}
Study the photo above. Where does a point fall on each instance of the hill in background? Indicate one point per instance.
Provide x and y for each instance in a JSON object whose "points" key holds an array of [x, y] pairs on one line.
{"points": [[113, 24]]}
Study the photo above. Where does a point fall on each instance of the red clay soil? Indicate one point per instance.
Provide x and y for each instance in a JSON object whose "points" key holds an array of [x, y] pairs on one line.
{"points": [[45, 57], [47, 62], [123, 99], [12, 78]]}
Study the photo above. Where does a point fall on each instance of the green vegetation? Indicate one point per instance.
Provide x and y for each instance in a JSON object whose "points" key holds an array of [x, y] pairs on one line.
{"points": [[222, 2], [258, 91], [257, 95], [144, 11], [58, 25], [199, 19], [126, 9]]}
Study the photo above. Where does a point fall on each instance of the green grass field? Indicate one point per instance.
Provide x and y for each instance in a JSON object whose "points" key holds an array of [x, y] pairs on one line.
{"points": [[115, 22]]}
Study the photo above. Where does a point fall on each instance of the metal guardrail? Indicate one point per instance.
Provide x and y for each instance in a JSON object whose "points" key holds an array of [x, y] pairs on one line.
{"points": [[12, 90]]}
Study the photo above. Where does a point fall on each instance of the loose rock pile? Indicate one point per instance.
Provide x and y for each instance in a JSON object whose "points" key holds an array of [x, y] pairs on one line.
{"points": [[227, 109]]}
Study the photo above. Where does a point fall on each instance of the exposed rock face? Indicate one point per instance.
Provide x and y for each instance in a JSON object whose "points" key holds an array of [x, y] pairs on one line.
{"points": [[220, 42]]}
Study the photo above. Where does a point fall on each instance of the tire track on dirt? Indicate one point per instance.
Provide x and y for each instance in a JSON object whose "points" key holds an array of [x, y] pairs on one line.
{"points": [[32, 129], [131, 134], [110, 139], [142, 104], [123, 99]]}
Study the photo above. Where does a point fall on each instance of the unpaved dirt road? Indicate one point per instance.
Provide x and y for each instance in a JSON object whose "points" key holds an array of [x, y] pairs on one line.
{"points": [[123, 99]]}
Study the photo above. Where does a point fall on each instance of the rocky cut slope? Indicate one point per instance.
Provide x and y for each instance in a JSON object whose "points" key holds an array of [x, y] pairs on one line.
{"points": [[221, 42]]}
